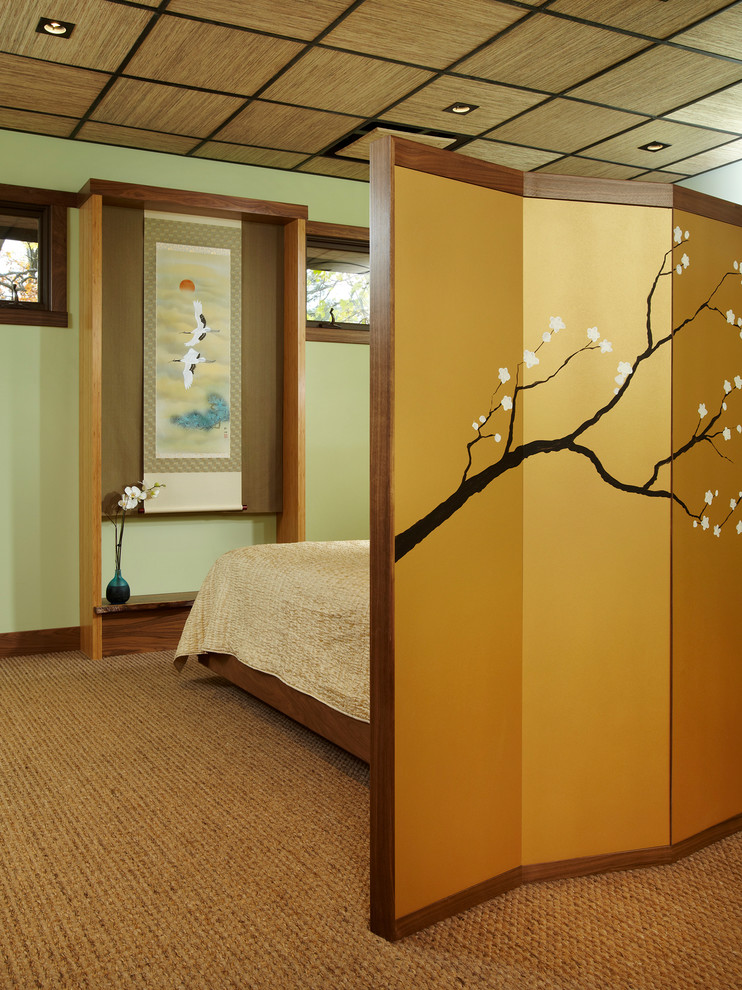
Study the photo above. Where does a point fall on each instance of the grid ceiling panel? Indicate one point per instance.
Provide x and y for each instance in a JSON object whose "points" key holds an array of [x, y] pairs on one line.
{"points": [[102, 37], [288, 85], [660, 80], [426, 32], [206, 55], [134, 103], [332, 80], [565, 52]]}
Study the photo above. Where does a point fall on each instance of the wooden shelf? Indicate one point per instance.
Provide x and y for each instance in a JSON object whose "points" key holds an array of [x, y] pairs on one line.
{"points": [[141, 603]]}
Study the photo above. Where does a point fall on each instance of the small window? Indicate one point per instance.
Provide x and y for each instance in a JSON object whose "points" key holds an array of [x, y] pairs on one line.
{"points": [[33, 256], [338, 287], [20, 239]]}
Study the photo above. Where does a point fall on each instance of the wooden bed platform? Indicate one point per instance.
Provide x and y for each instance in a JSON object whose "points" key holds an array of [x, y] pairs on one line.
{"points": [[349, 733]]}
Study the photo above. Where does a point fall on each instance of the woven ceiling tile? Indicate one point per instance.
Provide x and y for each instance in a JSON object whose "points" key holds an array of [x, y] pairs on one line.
{"points": [[29, 84], [332, 80], [286, 17], [591, 169], [195, 54], [131, 137], [36, 123], [660, 80], [714, 158], [272, 125], [341, 170], [507, 154], [721, 34], [427, 32], [661, 176], [723, 111], [565, 125], [683, 140], [134, 103], [243, 155], [495, 103], [650, 17], [550, 53], [103, 34]]}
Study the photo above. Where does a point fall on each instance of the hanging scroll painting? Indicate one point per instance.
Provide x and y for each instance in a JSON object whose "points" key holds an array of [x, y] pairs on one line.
{"points": [[192, 348]]}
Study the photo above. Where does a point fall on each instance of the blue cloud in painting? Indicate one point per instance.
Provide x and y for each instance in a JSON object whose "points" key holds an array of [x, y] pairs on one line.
{"points": [[217, 413]]}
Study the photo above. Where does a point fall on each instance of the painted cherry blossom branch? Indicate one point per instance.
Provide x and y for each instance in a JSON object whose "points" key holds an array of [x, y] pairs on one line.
{"points": [[513, 456]]}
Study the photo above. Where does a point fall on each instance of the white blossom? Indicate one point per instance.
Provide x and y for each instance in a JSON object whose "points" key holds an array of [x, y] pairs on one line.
{"points": [[624, 368], [504, 375], [730, 316], [507, 402], [679, 269], [702, 410], [727, 434], [732, 503], [736, 266], [685, 260], [737, 381], [557, 323], [724, 406], [687, 234], [592, 334], [530, 358], [546, 337], [475, 426], [705, 522], [482, 419], [717, 530], [619, 380], [708, 497], [739, 527], [498, 438], [677, 235], [695, 523], [739, 427], [605, 346], [727, 386]]}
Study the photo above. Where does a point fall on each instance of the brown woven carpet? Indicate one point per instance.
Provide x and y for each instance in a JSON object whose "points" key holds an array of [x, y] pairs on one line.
{"points": [[165, 830]]}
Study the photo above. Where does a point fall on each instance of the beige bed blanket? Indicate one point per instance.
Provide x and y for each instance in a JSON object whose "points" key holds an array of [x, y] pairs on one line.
{"points": [[299, 611]]}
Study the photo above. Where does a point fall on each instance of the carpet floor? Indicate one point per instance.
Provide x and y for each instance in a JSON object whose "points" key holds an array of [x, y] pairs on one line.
{"points": [[165, 830]]}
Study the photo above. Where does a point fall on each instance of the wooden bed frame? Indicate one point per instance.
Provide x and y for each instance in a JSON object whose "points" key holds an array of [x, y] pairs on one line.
{"points": [[349, 733]]}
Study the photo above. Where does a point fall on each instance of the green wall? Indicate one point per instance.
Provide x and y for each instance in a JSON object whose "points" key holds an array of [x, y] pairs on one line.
{"points": [[39, 398]]}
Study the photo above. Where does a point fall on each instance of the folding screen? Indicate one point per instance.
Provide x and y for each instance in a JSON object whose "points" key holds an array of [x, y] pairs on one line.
{"points": [[524, 510]]}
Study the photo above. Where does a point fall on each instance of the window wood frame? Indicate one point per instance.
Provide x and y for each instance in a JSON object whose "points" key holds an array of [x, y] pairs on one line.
{"points": [[52, 206]]}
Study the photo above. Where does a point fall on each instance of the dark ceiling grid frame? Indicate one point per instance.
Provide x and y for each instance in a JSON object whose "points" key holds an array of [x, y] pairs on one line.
{"points": [[185, 143]]}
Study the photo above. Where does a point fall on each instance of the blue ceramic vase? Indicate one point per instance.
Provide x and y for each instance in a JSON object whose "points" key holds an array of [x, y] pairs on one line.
{"points": [[118, 590]]}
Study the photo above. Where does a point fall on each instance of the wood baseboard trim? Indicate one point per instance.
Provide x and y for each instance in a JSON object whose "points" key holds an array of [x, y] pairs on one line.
{"points": [[24, 644], [561, 870]]}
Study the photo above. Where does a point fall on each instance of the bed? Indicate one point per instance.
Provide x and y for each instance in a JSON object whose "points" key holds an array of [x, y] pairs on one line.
{"points": [[290, 624]]}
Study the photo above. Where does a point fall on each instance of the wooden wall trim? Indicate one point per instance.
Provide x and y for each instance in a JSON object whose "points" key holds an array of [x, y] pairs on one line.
{"points": [[38, 197], [383, 908], [34, 641], [291, 522], [411, 154], [562, 870], [543, 185], [337, 231], [187, 200], [91, 309], [330, 336], [692, 201]]}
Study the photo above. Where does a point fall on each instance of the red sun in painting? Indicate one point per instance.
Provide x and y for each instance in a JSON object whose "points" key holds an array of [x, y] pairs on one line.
{"points": [[187, 285]]}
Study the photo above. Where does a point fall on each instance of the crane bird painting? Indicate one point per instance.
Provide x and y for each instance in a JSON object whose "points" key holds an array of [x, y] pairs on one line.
{"points": [[190, 360], [202, 328]]}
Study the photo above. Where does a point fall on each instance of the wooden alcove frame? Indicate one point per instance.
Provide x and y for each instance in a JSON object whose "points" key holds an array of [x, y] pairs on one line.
{"points": [[92, 198]]}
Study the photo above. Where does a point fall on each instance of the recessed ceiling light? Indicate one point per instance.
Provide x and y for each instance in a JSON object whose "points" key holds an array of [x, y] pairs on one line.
{"points": [[653, 146], [58, 29], [461, 108]]}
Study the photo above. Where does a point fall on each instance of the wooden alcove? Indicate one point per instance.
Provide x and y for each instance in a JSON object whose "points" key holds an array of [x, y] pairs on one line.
{"points": [[100, 625]]}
